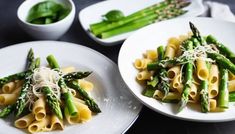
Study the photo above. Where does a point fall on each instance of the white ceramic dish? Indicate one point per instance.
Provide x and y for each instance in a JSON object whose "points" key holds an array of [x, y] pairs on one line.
{"points": [[157, 34], [51, 31], [118, 105], [93, 13]]}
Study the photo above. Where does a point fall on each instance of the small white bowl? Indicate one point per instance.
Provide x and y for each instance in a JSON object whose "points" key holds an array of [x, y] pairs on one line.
{"points": [[51, 31]]}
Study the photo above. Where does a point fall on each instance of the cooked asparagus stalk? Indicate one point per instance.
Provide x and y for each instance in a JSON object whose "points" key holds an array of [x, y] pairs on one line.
{"points": [[30, 58], [188, 79], [197, 34], [204, 97], [222, 48], [88, 100], [223, 61], [223, 97], [66, 94], [52, 102], [21, 101], [6, 111], [76, 75], [232, 96], [18, 76]]}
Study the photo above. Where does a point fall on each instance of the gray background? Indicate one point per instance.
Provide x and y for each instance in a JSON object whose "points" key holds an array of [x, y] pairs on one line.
{"points": [[148, 121]]}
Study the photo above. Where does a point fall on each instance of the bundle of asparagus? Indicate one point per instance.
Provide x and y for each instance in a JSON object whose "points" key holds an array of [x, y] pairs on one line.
{"points": [[192, 49], [166, 9]]}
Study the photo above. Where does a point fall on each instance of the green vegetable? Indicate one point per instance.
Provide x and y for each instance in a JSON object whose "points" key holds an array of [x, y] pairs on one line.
{"points": [[223, 61], [163, 10], [188, 79], [204, 97], [52, 102], [113, 15], [223, 96], [232, 96], [21, 101], [66, 94], [222, 48], [88, 100], [6, 111], [76, 75], [47, 12]]}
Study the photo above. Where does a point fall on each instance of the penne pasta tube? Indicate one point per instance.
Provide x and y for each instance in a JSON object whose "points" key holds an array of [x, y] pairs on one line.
{"points": [[151, 54], [213, 104], [231, 85], [39, 109], [84, 113], [213, 90], [8, 88], [141, 63], [8, 99], [173, 72], [68, 69], [86, 85], [144, 75], [170, 52], [214, 74], [202, 70], [24, 121], [174, 43], [37, 126], [176, 83], [193, 92], [56, 123], [170, 96]]}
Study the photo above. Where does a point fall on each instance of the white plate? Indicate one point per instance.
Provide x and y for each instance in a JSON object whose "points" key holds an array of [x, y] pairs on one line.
{"points": [[93, 13], [119, 108], [157, 34]]}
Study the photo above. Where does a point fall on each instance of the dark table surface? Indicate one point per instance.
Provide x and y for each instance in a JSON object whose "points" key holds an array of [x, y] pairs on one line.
{"points": [[148, 121]]}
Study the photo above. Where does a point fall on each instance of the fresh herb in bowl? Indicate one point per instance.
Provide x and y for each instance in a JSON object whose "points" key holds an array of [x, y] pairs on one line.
{"points": [[47, 12], [115, 23]]}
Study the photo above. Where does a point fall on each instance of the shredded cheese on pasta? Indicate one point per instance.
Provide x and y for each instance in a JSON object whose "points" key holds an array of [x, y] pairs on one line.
{"points": [[43, 77]]}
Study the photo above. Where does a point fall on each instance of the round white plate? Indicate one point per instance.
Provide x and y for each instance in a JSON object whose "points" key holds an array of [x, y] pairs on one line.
{"points": [[93, 14], [157, 34], [119, 108]]}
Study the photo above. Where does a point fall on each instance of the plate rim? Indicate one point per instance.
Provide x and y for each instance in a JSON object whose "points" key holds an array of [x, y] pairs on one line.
{"points": [[34, 43], [149, 105], [201, 10]]}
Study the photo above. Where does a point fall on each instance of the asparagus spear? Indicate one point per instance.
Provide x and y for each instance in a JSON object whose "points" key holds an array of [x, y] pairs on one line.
{"points": [[197, 34], [88, 100], [17, 76], [188, 79], [204, 97], [150, 8], [76, 75], [223, 61], [30, 58], [21, 101], [142, 22], [223, 97], [6, 111], [128, 19], [66, 94], [222, 48], [52, 101], [232, 96]]}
